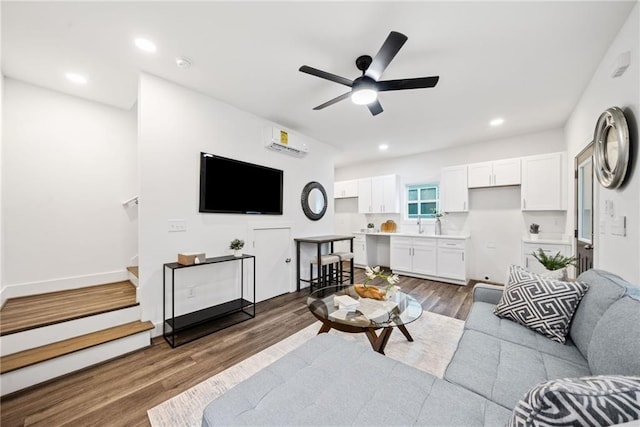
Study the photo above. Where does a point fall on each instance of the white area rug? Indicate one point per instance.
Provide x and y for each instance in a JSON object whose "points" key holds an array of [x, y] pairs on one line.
{"points": [[435, 340]]}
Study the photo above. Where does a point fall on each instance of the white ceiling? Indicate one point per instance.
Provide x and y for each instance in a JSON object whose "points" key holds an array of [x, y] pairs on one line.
{"points": [[526, 62]]}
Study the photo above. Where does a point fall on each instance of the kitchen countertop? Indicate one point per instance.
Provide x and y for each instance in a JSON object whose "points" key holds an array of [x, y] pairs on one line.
{"points": [[546, 241], [401, 234]]}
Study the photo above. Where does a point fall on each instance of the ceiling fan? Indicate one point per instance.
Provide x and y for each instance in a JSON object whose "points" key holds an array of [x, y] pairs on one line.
{"points": [[364, 89]]}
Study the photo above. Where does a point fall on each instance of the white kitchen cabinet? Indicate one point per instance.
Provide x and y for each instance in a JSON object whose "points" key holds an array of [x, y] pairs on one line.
{"points": [[454, 192], [451, 259], [379, 194], [344, 189], [360, 250], [364, 196], [530, 263], [413, 255], [494, 174], [544, 183]]}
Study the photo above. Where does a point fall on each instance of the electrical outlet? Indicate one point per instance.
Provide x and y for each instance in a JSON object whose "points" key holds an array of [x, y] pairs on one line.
{"points": [[176, 225]]}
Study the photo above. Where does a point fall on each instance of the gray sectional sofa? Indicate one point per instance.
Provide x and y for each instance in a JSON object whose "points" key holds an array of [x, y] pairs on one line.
{"points": [[329, 381]]}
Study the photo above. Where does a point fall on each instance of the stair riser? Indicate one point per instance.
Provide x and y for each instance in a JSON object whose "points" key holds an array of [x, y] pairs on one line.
{"points": [[32, 338], [133, 279], [35, 374]]}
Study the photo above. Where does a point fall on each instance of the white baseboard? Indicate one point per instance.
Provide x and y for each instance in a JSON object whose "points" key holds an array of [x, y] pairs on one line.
{"points": [[62, 284]]}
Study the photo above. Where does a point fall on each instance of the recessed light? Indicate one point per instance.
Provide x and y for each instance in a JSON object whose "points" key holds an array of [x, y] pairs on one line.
{"points": [[496, 122], [183, 62], [145, 44], [383, 147], [76, 78]]}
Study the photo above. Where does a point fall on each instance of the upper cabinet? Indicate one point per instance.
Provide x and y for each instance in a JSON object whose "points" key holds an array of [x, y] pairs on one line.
{"points": [[379, 194], [344, 189], [454, 193], [544, 183], [494, 174]]}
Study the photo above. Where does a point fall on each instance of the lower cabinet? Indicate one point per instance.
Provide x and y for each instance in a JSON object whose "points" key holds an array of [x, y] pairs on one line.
{"points": [[413, 254], [431, 257], [451, 262], [360, 250]]}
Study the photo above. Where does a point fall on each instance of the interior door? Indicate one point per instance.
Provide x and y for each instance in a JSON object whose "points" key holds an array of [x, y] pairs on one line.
{"points": [[584, 209], [272, 248]]}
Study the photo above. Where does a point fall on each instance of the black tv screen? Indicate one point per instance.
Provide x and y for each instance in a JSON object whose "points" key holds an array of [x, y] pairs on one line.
{"points": [[232, 186]]}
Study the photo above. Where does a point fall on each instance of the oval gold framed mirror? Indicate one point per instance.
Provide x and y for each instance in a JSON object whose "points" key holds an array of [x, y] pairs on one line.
{"points": [[611, 148]]}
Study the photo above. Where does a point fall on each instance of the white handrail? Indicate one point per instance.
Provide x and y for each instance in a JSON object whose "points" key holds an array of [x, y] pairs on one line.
{"points": [[131, 201]]}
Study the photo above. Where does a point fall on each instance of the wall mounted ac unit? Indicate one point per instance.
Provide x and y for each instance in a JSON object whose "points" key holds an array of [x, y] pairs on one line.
{"points": [[280, 140]]}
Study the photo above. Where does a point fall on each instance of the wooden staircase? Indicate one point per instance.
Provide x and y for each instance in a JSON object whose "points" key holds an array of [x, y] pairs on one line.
{"points": [[48, 335]]}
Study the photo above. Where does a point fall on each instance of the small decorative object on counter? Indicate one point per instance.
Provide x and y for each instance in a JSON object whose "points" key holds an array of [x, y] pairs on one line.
{"points": [[375, 292], [534, 229], [556, 265], [437, 225], [370, 227], [236, 245]]}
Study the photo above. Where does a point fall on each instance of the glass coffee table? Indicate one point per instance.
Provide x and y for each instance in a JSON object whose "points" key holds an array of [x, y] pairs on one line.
{"points": [[343, 309]]}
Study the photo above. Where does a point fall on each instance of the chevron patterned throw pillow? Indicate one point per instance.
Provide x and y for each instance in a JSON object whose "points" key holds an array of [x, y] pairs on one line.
{"points": [[543, 305], [587, 401]]}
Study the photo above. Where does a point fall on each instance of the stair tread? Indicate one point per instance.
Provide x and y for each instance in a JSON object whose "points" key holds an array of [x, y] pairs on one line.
{"points": [[32, 356], [133, 270], [34, 311]]}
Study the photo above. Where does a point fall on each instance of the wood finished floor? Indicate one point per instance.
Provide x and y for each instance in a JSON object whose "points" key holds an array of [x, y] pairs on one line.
{"points": [[119, 392]]}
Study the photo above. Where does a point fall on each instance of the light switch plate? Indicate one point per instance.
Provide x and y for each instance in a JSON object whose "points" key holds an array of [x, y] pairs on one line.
{"points": [[619, 226], [177, 225]]}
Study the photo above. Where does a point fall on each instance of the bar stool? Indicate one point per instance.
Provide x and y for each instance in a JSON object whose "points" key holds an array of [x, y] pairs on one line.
{"points": [[345, 256], [328, 271]]}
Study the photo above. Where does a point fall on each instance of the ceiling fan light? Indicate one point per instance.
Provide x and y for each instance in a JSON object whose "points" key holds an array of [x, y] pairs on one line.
{"points": [[364, 96]]}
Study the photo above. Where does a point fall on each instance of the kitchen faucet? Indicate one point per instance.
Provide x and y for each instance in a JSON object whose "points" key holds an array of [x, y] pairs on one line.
{"points": [[420, 229]]}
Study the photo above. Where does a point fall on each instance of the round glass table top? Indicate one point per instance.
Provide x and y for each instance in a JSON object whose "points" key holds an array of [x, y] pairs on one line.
{"points": [[342, 305]]}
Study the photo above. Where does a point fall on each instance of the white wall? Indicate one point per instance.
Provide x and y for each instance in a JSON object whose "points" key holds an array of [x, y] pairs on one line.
{"points": [[618, 254], [67, 165], [175, 125], [495, 221]]}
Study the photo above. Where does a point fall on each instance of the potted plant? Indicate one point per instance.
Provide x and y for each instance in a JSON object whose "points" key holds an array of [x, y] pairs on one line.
{"points": [[236, 245], [534, 229], [374, 292], [556, 265], [438, 225]]}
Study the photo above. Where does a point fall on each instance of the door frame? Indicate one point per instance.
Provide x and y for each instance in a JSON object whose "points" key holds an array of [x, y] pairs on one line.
{"points": [[577, 241]]}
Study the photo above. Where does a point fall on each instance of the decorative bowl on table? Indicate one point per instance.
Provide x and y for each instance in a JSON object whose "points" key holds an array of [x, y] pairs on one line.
{"points": [[372, 292]]}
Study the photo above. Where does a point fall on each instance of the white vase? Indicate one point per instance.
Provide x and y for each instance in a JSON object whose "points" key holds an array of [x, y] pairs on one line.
{"points": [[560, 274], [534, 236], [438, 227], [237, 253]]}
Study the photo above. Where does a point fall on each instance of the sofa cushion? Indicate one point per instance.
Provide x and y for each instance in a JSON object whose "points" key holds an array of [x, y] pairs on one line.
{"points": [[604, 289], [543, 305], [482, 319], [599, 400], [615, 343], [503, 371], [331, 381]]}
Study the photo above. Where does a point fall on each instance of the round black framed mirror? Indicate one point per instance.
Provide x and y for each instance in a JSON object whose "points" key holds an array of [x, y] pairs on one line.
{"points": [[611, 142], [314, 200]]}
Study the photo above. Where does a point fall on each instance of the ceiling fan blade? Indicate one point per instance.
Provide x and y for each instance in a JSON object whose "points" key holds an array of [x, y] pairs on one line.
{"points": [[387, 52], [333, 101], [401, 84], [375, 107], [325, 75]]}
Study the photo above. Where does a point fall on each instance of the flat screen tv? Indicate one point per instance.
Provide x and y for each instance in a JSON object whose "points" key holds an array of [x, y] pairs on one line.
{"points": [[232, 186]]}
